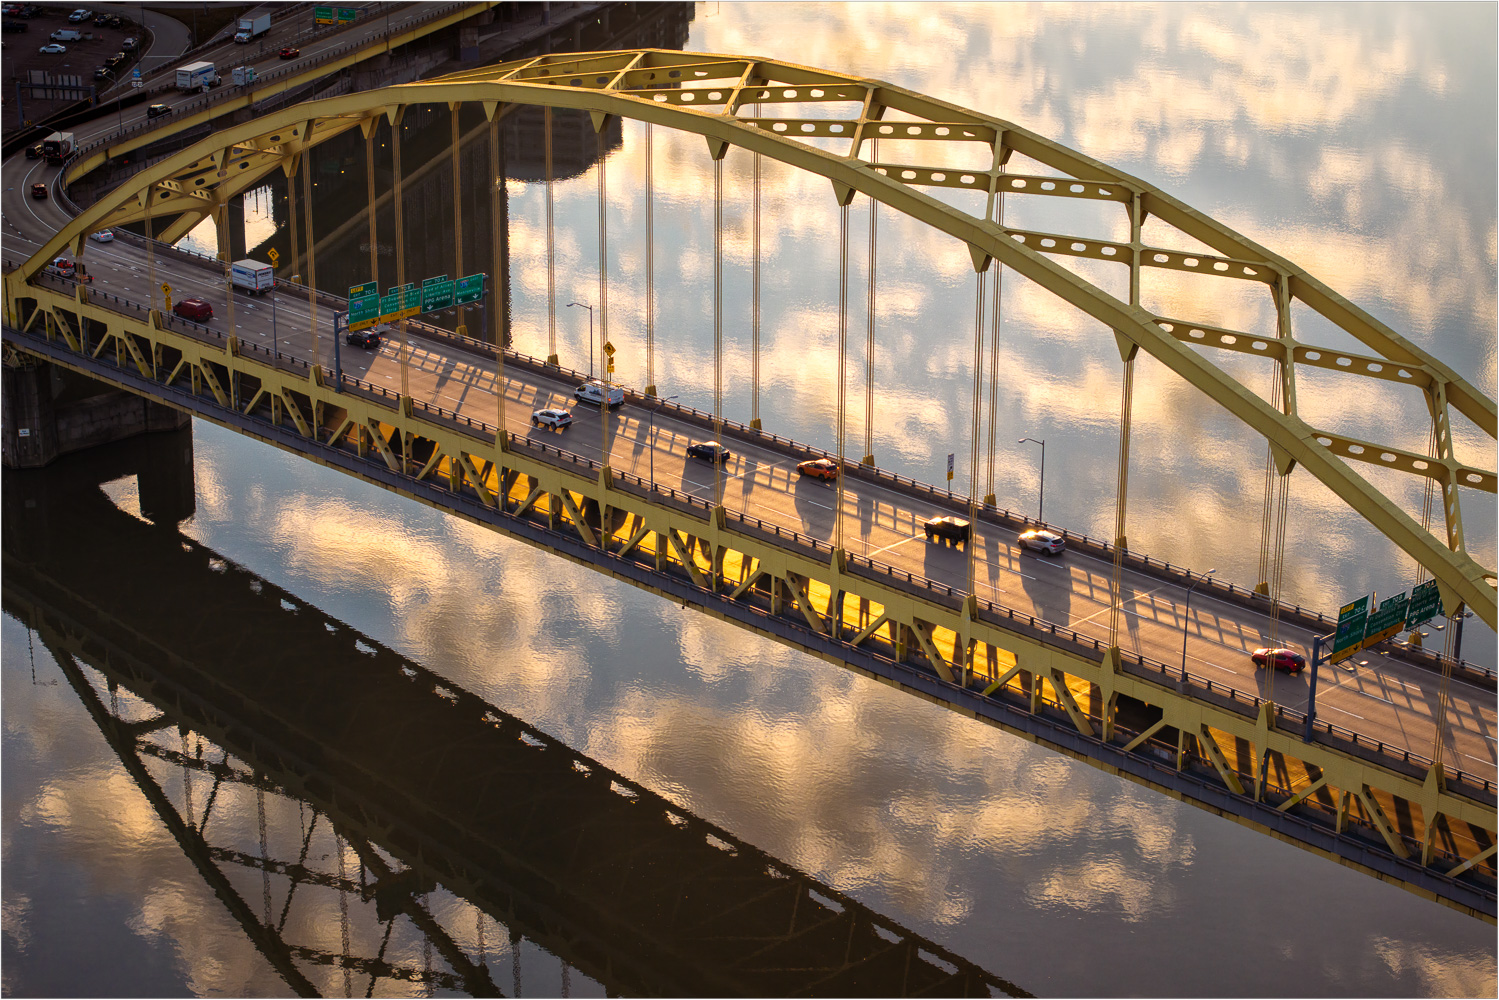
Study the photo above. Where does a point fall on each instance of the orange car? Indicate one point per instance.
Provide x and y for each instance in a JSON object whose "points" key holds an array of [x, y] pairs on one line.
{"points": [[819, 468]]}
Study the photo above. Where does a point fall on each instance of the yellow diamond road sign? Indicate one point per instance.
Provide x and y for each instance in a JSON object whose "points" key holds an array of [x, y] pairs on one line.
{"points": [[271, 253], [608, 348]]}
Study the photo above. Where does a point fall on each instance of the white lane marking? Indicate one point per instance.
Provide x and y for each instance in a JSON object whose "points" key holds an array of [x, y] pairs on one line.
{"points": [[1374, 696], [1078, 621], [1481, 760], [1215, 666], [891, 546], [1337, 709]]}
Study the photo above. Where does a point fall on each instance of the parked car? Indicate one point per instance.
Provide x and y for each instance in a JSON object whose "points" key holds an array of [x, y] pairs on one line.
{"points": [[194, 309], [66, 35], [129, 44], [1288, 660], [555, 419], [709, 451], [157, 110], [103, 236], [34, 152], [39, 190], [1041, 540], [948, 528], [80, 15], [364, 338], [10, 26], [115, 21], [290, 52], [113, 61], [54, 49], [102, 73], [596, 392], [819, 468]]}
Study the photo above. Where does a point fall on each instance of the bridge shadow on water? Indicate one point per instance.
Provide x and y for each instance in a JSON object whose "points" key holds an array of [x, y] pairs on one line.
{"points": [[426, 789]]}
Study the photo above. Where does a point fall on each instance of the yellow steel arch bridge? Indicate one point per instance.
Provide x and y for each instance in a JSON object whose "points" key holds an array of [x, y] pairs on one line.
{"points": [[711, 95], [977, 656]]}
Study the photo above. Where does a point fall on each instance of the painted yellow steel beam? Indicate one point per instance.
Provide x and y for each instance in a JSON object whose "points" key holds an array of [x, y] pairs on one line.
{"points": [[691, 92]]}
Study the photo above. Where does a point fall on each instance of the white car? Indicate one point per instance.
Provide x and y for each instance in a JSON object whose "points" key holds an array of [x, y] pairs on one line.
{"points": [[80, 15], [595, 392], [1041, 540], [53, 50], [103, 236], [555, 419]]}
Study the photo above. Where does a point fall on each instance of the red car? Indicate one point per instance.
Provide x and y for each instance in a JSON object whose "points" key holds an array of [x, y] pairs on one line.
{"points": [[290, 52], [194, 309], [819, 468], [1288, 660]]}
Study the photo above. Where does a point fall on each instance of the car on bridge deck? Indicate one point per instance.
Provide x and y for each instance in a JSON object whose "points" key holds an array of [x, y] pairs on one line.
{"points": [[290, 52], [156, 110], [62, 267], [1041, 540], [364, 338], [948, 528], [709, 451], [554, 419], [103, 236], [819, 468], [194, 309], [39, 190], [34, 152], [1288, 660]]}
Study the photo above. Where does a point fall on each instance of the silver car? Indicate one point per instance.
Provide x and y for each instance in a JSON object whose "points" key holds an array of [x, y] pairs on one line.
{"points": [[555, 419], [1040, 540]]}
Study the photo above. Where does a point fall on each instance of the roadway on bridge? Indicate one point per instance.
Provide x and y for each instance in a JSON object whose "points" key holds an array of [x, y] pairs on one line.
{"points": [[1377, 696]]}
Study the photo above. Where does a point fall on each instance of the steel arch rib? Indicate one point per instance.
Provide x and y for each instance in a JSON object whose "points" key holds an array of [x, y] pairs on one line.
{"points": [[558, 81]]}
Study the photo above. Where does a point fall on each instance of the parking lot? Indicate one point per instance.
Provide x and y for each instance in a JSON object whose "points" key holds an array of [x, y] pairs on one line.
{"points": [[81, 59]]}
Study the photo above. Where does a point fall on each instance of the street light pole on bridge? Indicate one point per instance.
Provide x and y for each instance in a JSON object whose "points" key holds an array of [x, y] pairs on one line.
{"points": [[585, 305], [1186, 613], [1041, 503]]}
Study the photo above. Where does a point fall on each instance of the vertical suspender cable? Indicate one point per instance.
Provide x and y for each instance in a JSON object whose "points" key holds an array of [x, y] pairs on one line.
{"points": [[650, 265], [976, 409], [995, 314], [457, 210], [369, 184], [400, 236], [755, 300], [874, 218], [605, 363], [842, 360], [291, 213], [717, 331], [1128, 351], [546, 115], [497, 234], [314, 359]]}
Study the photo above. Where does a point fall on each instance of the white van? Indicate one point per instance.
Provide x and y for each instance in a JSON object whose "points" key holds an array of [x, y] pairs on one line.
{"points": [[594, 392], [67, 35]]}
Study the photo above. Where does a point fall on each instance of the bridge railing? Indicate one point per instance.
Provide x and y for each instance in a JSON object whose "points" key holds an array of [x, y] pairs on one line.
{"points": [[1246, 703]]}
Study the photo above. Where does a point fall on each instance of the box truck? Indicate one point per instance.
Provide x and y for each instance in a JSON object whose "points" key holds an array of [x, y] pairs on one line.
{"points": [[243, 75], [195, 76], [252, 27], [252, 276], [57, 147]]}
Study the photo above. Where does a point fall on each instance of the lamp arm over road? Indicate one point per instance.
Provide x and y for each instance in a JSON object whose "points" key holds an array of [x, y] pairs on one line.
{"points": [[1186, 612]]}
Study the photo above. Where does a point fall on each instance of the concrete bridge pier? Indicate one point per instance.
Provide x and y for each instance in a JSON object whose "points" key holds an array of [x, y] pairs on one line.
{"points": [[49, 411]]}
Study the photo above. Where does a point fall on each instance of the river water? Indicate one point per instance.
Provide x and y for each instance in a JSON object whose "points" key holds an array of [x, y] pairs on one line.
{"points": [[1357, 141]]}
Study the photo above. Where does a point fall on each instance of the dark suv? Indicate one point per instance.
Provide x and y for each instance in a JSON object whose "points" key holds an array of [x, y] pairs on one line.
{"points": [[364, 338], [194, 309], [157, 110]]}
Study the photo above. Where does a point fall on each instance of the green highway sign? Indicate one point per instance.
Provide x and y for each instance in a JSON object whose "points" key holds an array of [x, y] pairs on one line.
{"points": [[1426, 603], [324, 15], [364, 305], [346, 14], [399, 303], [437, 293], [469, 289], [1389, 619], [1349, 638]]}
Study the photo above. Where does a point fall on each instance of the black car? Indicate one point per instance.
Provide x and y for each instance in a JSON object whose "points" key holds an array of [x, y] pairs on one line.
{"points": [[115, 21], [157, 110], [948, 528], [709, 451], [34, 152], [364, 338], [100, 20], [102, 73]]}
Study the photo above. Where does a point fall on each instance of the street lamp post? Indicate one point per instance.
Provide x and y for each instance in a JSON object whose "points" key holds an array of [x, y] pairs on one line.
{"points": [[1041, 504], [1186, 612], [590, 334], [658, 406]]}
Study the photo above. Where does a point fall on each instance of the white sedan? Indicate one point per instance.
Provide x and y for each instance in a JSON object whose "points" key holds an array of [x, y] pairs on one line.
{"points": [[103, 236], [53, 50], [556, 419]]}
